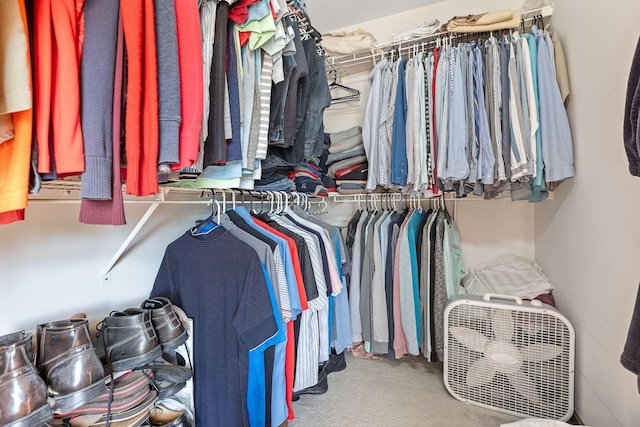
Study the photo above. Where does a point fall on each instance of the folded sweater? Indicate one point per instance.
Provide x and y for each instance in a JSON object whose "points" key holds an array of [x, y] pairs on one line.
{"points": [[345, 164], [336, 137], [336, 157], [345, 144]]}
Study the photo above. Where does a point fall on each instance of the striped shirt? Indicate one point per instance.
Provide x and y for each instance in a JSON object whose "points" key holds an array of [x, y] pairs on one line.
{"points": [[265, 106]]}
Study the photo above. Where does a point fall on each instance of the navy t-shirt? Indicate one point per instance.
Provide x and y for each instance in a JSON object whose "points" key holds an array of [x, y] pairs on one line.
{"points": [[218, 281]]}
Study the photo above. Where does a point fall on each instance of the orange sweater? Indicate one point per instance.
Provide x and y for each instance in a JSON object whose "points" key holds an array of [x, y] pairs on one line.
{"points": [[58, 35], [15, 158], [141, 118]]}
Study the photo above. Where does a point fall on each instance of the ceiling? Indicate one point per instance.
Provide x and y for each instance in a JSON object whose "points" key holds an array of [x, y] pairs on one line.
{"points": [[329, 15]]}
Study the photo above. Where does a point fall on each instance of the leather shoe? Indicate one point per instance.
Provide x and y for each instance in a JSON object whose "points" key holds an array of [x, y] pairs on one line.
{"points": [[167, 378], [68, 363], [163, 417], [336, 363], [321, 387], [23, 394], [127, 339], [169, 328]]}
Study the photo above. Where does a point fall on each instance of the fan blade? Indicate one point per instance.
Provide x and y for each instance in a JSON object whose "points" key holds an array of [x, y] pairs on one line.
{"points": [[524, 386], [480, 372], [540, 352], [503, 325], [469, 338]]}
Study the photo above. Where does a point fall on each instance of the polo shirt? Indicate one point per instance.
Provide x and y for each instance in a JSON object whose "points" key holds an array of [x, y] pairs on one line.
{"points": [[232, 311]]}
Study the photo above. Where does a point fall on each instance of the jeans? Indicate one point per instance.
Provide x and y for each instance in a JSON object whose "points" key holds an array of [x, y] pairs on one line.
{"points": [[279, 93], [320, 98]]}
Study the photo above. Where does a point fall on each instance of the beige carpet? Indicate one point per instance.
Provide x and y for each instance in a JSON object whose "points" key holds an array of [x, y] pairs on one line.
{"points": [[406, 392]]}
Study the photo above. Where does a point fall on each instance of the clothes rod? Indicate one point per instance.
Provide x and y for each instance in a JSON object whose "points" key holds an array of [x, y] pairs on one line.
{"points": [[336, 63]]}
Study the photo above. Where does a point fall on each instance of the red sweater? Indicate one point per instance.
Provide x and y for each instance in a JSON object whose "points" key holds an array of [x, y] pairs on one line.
{"points": [[191, 81], [141, 119]]}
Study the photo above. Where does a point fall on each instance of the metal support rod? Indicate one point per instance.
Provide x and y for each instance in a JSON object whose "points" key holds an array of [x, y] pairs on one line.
{"points": [[129, 239]]}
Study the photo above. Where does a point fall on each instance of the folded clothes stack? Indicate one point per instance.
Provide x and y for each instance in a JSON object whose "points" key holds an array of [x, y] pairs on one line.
{"points": [[493, 21], [308, 178], [274, 181], [347, 160]]}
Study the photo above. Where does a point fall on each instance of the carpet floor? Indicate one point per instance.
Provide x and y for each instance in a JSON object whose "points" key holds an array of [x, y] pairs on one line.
{"points": [[405, 392]]}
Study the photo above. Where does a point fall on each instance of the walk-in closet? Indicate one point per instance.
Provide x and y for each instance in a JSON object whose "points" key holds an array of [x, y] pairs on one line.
{"points": [[319, 213]]}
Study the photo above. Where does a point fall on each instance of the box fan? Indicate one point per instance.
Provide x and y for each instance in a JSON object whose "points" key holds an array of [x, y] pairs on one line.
{"points": [[510, 356]]}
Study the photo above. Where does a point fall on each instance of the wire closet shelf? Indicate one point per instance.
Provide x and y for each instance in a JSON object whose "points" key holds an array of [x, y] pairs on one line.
{"points": [[347, 64]]}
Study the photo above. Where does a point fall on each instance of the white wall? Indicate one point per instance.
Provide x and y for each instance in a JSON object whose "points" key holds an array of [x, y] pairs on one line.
{"points": [[588, 238], [50, 265]]}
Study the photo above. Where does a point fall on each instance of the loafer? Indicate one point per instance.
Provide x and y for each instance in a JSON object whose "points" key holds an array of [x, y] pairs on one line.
{"points": [[336, 363], [320, 388], [163, 417]]}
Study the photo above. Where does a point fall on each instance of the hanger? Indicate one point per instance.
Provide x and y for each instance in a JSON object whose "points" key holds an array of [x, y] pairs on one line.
{"points": [[207, 225], [351, 93], [324, 208]]}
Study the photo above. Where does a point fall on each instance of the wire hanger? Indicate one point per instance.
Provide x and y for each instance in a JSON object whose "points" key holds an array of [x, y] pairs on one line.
{"points": [[352, 94], [207, 225]]}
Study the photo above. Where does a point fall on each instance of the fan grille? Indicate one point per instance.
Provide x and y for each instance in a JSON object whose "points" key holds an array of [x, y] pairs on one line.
{"points": [[537, 382]]}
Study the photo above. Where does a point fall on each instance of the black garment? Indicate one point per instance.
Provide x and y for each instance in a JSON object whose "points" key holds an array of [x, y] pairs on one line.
{"points": [[630, 358], [308, 277], [440, 291], [242, 224], [631, 113], [269, 362], [215, 147], [388, 281], [349, 242], [366, 278], [432, 279], [278, 99], [294, 155], [505, 49], [351, 231], [423, 222], [323, 252], [233, 146], [291, 105]]}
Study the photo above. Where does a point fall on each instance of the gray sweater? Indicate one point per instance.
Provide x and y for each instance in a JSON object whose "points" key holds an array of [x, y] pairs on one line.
{"points": [[97, 69], [168, 81]]}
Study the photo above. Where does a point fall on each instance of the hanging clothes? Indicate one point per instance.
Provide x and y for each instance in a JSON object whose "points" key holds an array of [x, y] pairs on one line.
{"points": [[471, 118], [15, 111], [210, 114], [300, 301], [236, 295], [406, 264]]}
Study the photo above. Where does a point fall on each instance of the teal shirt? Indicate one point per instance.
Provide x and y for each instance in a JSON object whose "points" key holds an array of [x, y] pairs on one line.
{"points": [[538, 185], [412, 233], [453, 265]]}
